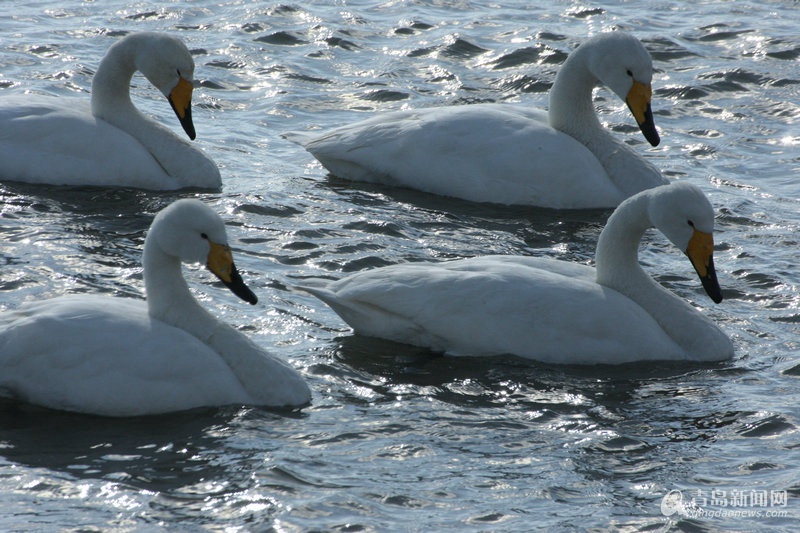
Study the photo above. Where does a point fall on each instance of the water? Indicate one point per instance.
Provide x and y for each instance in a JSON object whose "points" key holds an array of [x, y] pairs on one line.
{"points": [[398, 438]]}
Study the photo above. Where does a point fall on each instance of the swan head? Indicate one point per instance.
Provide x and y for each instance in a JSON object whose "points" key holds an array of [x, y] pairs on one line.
{"points": [[622, 63], [191, 231], [168, 65], [683, 213]]}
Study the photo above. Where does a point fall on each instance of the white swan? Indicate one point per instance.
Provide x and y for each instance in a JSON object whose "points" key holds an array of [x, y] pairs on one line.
{"points": [[122, 357], [549, 310], [508, 154], [68, 141]]}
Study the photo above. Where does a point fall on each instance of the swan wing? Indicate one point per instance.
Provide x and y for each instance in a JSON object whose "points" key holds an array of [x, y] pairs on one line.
{"points": [[58, 141], [107, 356], [495, 153], [542, 309]]}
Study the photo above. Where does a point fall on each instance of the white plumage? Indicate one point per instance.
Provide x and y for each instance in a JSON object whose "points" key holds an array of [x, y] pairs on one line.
{"points": [[509, 154], [108, 142], [122, 357], [549, 310]]}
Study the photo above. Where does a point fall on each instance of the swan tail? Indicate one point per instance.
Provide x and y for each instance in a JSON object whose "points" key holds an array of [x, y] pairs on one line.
{"points": [[303, 138]]}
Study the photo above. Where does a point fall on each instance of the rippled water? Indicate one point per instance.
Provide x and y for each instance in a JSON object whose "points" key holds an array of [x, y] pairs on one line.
{"points": [[398, 438]]}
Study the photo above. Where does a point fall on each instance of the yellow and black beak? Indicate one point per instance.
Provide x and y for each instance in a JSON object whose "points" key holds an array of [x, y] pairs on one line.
{"points": [[180, 98], [220, 262], [638, 101], [701, 253]]}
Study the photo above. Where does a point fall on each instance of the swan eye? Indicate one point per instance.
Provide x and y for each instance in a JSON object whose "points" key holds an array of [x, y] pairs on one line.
{"points": [[204, 236], [690, 223], [629, 73]]}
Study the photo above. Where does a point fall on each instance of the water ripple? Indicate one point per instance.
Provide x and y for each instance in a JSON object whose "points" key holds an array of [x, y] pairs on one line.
{"points": [[397, 435]]}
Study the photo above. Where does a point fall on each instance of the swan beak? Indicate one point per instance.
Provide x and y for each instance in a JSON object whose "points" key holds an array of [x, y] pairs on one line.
{"points": [[700, 252], [638, 101], [220, 262], [180, 98]]}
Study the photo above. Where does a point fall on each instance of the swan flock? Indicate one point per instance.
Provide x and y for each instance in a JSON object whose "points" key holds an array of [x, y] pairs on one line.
{"points": [[115, 356]]}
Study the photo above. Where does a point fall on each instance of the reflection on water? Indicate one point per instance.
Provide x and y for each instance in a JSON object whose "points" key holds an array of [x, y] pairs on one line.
{"points": [[398, 437]]}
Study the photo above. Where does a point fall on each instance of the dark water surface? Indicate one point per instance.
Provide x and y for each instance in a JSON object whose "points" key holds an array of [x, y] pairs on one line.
{"points": [[398, 438]]}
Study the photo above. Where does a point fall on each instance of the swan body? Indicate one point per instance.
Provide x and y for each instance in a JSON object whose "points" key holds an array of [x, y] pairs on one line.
{"points": [[107, 141], [507, 154], [123, 357], [550, 310]]}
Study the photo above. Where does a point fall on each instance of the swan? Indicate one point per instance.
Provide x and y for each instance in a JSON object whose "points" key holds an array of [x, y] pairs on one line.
{"points": [[108, 142], [509, 154], [112, 356], [550, 310]]}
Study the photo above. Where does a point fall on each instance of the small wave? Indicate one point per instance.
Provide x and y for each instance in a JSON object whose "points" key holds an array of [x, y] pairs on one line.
{"points": [[338, 42], [228, 64], [384, 95], [735, 80], [767, 427], [791, 319], [535, 55], [412, 28], [377, 227], [682, 93], [790, 54], [283, 10], [462, 49], [422, 52], [270, 210], [623, 444], [525, 84], [146, 15], [716, 32], [585, 12], [283, 38], [667, 50]]}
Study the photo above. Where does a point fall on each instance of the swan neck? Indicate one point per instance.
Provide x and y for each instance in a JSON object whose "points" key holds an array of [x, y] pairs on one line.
{"points": [[618, 268], [617, 255], [571, 109], [111, 83], [266, 380], [572, 112], [168, 296]]}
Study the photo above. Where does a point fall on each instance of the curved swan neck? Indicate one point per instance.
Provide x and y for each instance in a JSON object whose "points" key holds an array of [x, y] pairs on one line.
{"points": [[111, 83], [168, 297], [572, 112], [266, 380], [617, 255], [571, 109], [111, 102], [618, 268]]}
